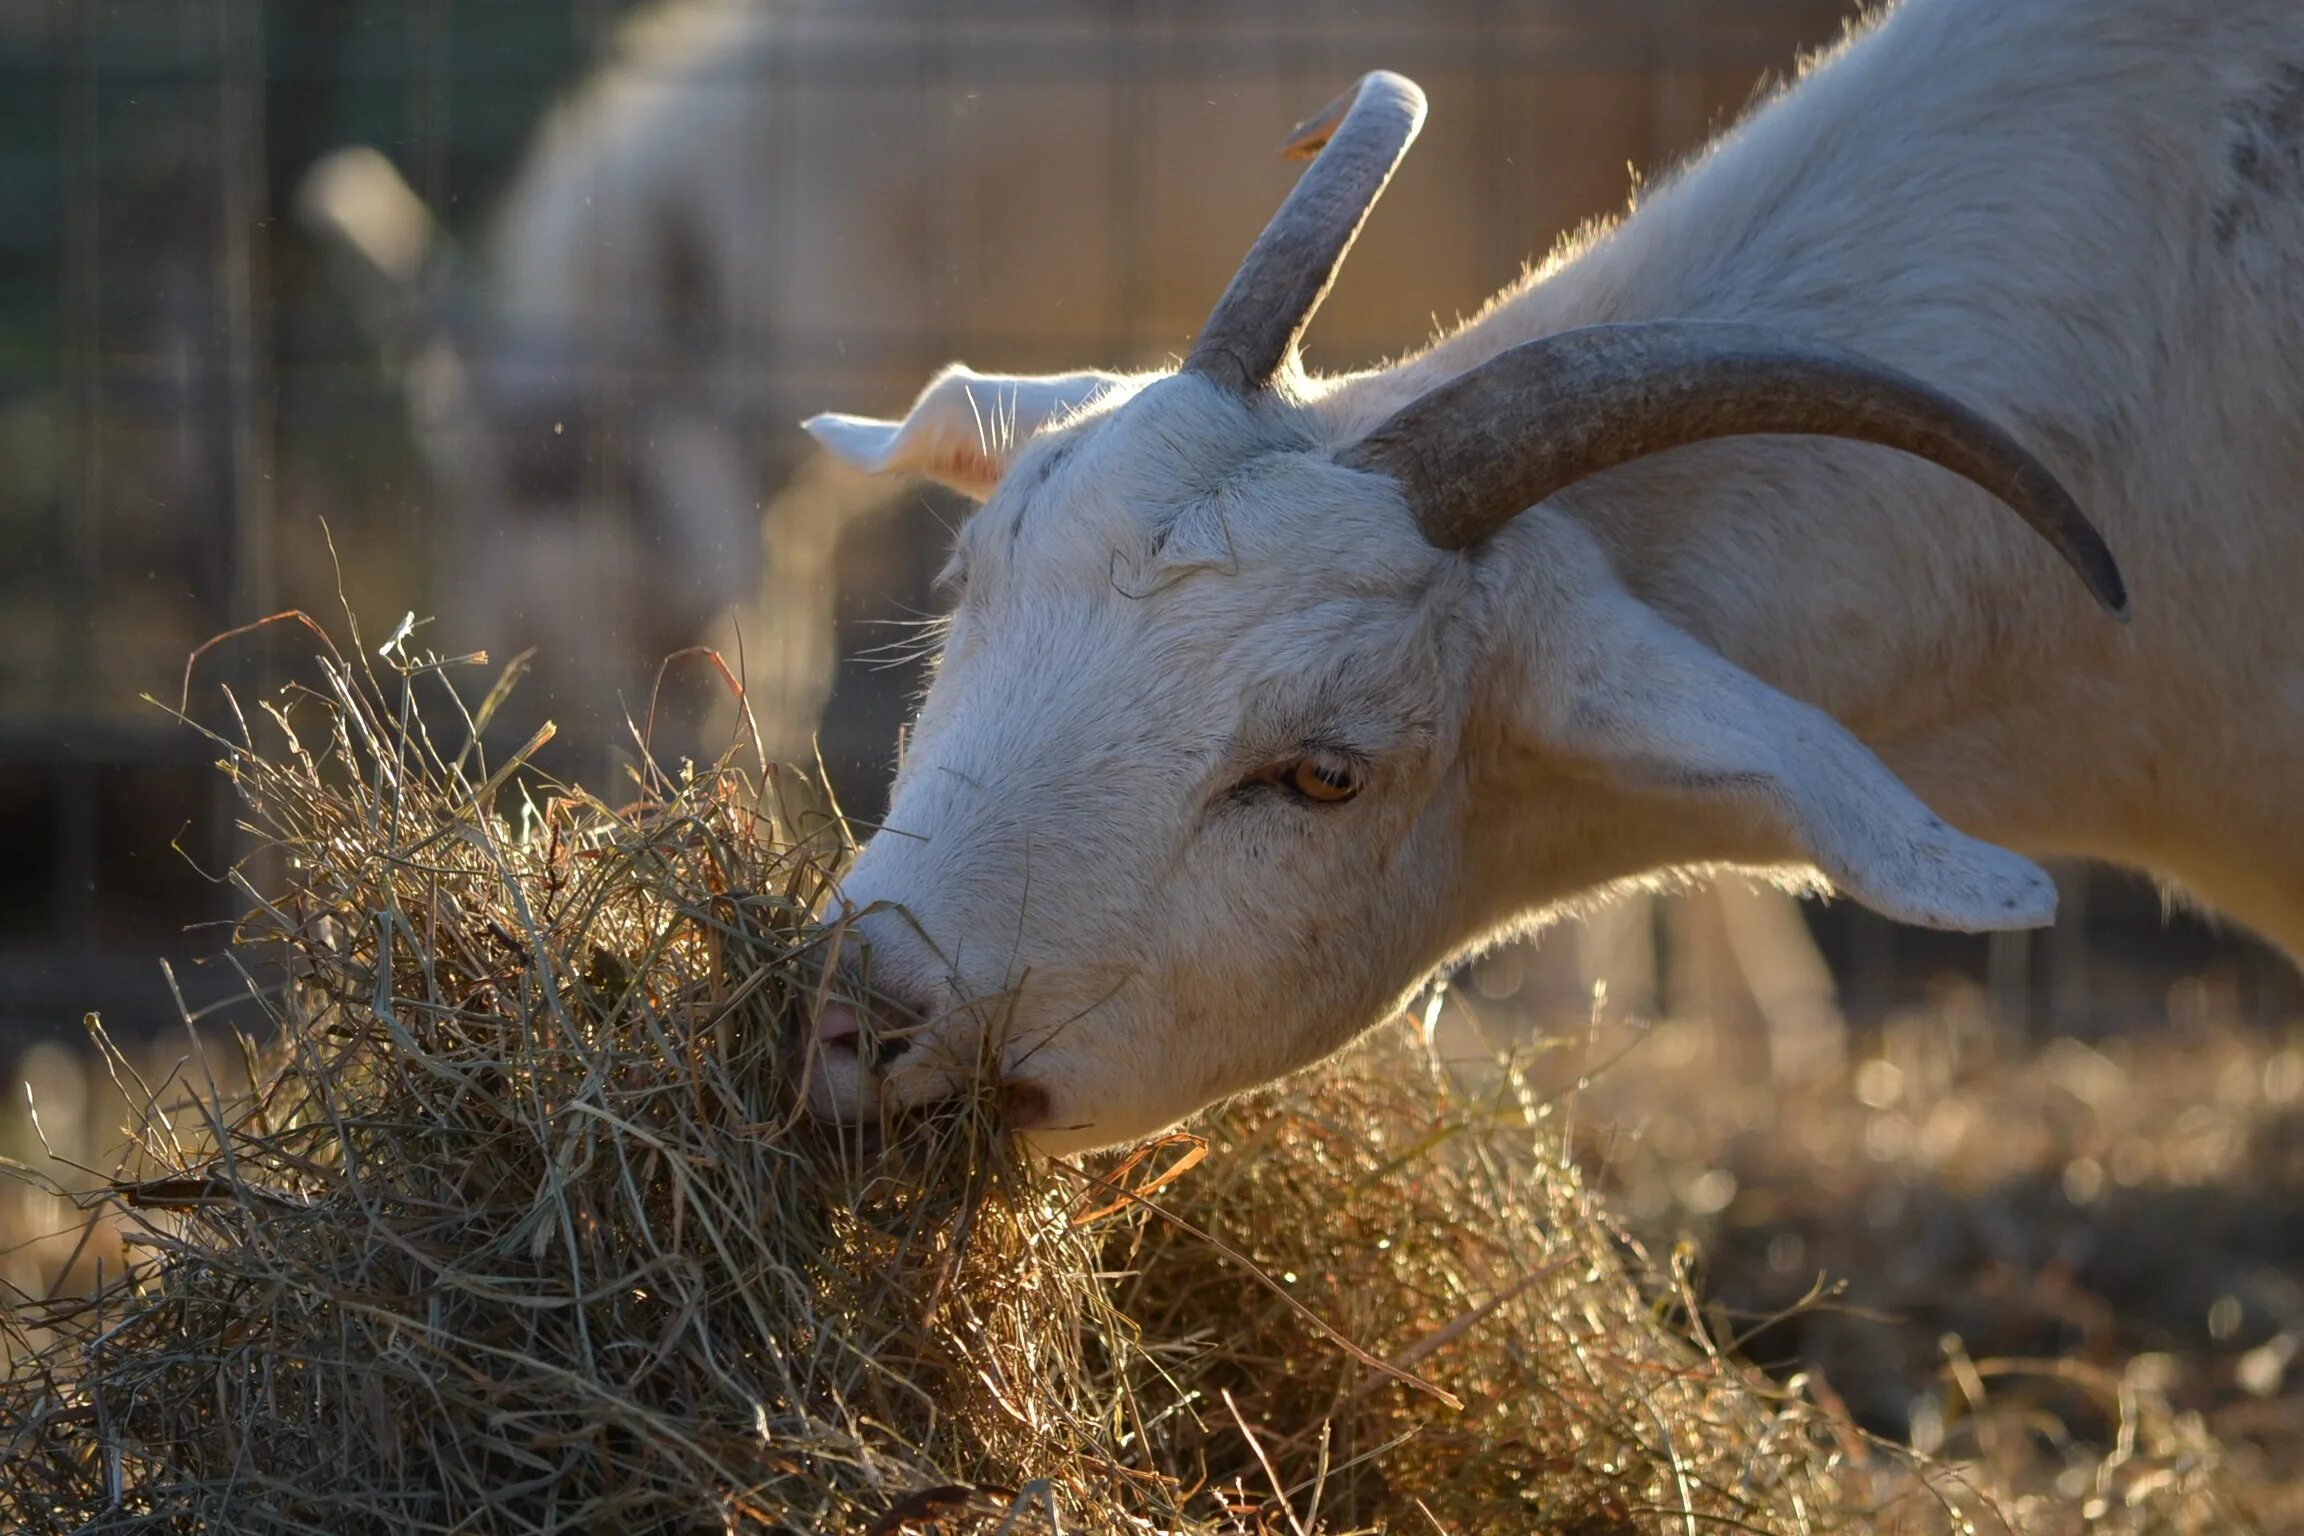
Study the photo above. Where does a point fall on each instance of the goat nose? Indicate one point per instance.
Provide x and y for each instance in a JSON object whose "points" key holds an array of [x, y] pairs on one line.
{"points": [[839, 1028], [845, 1031]]}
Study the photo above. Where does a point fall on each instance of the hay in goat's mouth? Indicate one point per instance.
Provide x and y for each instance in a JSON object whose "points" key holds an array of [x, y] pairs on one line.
{"points": [[516, 1226]]}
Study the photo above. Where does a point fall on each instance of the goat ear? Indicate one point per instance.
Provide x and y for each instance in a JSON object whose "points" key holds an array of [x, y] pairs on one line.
{"points": [[1655, 712], [964, 430]]}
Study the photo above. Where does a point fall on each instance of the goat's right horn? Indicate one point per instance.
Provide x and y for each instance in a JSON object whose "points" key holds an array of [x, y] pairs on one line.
{"points": [[1358, 139], [1477, 451]]}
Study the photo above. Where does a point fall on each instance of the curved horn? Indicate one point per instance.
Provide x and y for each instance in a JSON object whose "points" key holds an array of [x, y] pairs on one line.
{"points": [[1480, 449], [1271, 299]]}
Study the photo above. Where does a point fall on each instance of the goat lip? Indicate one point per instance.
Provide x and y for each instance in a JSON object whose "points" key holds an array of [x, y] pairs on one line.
{"points": [[839, 1027]]}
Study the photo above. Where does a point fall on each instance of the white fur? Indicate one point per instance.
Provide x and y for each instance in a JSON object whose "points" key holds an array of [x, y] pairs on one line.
{"points": [[2081, 216]]}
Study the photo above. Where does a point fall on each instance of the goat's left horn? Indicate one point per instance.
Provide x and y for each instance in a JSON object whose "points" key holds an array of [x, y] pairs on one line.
{"points": [[1358, 139], [1475, 452]]}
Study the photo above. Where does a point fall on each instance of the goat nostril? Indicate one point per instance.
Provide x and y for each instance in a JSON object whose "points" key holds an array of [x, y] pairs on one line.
{"points": [[897, 1017], [843, 1032]]}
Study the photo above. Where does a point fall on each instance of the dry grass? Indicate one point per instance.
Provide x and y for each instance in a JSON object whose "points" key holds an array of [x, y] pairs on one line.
{"points": [[515, 1227]]}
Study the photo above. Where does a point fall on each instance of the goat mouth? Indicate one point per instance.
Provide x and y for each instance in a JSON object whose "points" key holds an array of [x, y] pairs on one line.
{"points": [[840, 1028], [867, 1027], [912, 1137]]}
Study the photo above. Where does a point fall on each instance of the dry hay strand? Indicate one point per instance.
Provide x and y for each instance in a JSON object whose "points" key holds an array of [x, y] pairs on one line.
{"points": [[515, 1225]]}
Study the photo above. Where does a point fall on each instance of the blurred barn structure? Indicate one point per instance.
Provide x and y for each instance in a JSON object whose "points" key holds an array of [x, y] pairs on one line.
{"points": [[528, 361]]}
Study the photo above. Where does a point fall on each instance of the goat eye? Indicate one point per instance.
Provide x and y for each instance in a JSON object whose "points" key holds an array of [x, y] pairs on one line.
{"points": [[1325, 777]]}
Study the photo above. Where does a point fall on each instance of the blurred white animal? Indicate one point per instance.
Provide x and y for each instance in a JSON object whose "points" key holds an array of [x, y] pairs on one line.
{"points": [[1264, 695], [746, 205], [579, 397]]}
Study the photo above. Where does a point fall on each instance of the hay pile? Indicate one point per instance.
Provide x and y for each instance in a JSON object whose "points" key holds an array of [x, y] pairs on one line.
{"points": [[515, 1227]]}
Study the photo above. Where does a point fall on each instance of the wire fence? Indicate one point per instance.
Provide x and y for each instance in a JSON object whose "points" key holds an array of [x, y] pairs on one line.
{"points": [[572, 327]]}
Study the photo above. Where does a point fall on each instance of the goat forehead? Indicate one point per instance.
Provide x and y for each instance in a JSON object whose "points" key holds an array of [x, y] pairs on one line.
{"points": [[1206, 586], [1250, 544], [1114, 485]]}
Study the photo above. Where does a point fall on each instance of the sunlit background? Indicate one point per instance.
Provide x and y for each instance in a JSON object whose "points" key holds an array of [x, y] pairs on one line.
{"points": [[499, 313]]}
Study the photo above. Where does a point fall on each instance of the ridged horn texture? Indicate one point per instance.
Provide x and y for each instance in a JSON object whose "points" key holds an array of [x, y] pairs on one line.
{"points": [[1358, 139], [1484, 447]]}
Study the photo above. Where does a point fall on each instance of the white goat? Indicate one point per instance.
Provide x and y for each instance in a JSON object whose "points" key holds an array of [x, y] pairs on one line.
{"points": [[588, 387], [1265, 695]]}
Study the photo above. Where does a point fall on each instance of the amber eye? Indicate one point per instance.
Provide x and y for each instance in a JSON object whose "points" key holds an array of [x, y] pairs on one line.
{"points": [[1325, 777]]}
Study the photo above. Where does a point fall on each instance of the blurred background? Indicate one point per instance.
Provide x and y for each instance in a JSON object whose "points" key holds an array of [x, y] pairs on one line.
{"points": [[499, 313]]}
